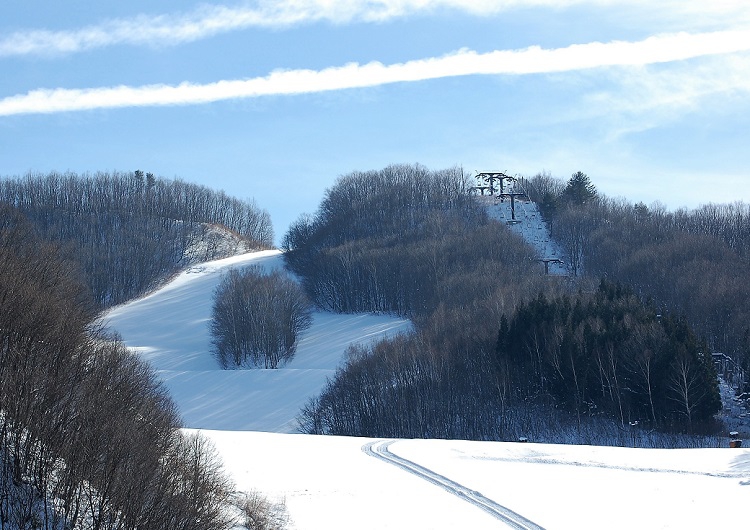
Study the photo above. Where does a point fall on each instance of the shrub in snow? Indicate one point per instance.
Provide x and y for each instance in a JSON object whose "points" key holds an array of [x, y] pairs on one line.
{"points": [[257, 318], [260, 513]]}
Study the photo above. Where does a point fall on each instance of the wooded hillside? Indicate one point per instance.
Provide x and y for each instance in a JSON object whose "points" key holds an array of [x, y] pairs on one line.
{"points": [[403, 240], [131, 230], [88, 438], [691, 263], [500, 349]]}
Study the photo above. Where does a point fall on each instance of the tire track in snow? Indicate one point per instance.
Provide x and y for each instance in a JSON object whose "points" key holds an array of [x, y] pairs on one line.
{"points": [[599, 465], [379, 449]]}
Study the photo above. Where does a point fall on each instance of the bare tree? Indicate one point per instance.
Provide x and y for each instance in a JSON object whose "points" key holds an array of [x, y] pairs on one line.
{"points": [[257, 318], [89, 439]]}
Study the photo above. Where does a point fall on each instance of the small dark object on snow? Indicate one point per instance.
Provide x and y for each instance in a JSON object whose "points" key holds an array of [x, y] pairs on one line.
{"points": [[734, 442]]}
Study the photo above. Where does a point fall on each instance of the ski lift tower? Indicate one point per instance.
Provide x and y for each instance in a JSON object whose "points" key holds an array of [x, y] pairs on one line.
{"points": [[547, 261], [490, 177], [512, 196]]}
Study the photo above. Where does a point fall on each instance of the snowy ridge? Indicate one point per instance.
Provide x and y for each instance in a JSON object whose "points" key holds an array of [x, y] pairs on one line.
{"points": [[331, 483]]}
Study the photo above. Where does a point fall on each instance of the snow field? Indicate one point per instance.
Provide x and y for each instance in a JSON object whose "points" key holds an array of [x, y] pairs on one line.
{"points": [[169, 328], [331, 483]]}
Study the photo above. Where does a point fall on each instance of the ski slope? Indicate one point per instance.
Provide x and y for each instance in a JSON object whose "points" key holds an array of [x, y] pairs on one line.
{"points": [[347, 483], [524, 218], [170, 329]]}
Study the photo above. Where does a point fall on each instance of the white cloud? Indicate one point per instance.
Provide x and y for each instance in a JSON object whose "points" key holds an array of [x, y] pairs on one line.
{"points": [[210, 20], [533, 60], [646, 97]]}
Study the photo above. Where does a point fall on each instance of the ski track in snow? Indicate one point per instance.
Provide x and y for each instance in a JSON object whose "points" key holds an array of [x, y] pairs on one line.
{"points": [[380, 449], [739, 473]]}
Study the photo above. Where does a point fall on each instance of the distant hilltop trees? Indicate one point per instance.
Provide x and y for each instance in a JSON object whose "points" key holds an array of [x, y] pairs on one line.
{"points": [[500, 350], [131, 230]]}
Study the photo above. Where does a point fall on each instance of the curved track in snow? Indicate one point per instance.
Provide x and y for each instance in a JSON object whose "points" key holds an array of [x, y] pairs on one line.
{"points": [[380, 449]]}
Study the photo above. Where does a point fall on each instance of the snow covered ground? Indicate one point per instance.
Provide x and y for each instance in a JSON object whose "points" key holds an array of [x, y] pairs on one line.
{"points": [[169, 328], [331, 483], [347, 483]]}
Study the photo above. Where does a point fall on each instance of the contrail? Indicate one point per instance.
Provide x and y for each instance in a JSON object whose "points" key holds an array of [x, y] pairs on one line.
{"points": [[533, 60], [206, 21], [209, 20]]}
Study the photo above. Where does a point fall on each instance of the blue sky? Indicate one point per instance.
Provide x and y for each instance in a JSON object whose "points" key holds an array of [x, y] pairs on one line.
{"points": [[275, 100]]}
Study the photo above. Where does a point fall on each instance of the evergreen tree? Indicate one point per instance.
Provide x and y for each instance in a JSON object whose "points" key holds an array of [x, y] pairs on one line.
{"points": [[579, 189]]}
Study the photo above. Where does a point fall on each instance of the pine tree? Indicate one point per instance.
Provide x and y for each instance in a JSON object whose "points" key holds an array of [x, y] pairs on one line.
{"points": [[579, 189]]}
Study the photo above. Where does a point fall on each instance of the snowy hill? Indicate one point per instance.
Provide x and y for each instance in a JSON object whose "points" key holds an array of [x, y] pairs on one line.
{"points": [[169, 328], [345, 483]]}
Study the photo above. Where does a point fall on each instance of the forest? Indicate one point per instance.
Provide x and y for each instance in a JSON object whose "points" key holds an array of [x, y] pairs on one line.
{"points": [[501, 350], [131, 230], [89, 438], [689, 262], [608, 354]]}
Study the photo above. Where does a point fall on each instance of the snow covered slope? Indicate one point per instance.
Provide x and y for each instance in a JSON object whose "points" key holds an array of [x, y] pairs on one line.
{"points": [[346, 483], [331, 483], [169, 328], [524, 218]]}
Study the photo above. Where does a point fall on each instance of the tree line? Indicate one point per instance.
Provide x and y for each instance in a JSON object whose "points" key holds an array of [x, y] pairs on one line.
{"points": [[589, 368], [403, 240], [464, 279], [89, 439], [608, 354], [689, 262], [131, 230]]}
